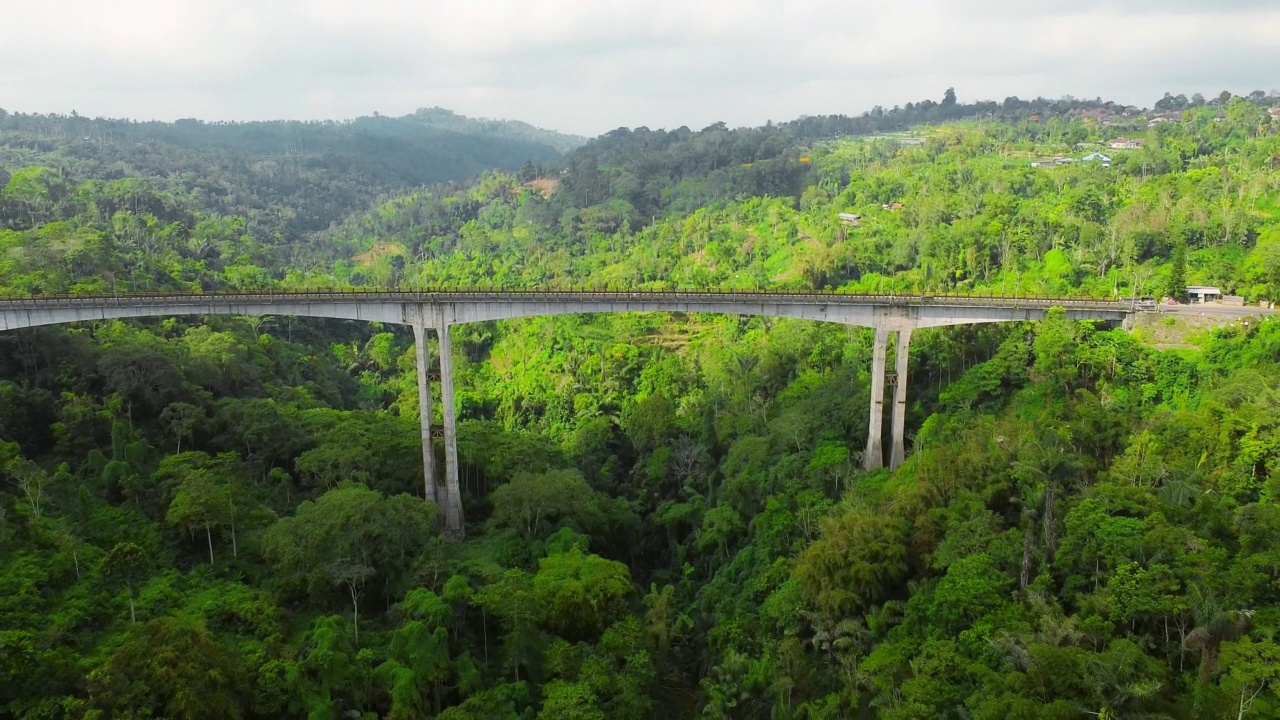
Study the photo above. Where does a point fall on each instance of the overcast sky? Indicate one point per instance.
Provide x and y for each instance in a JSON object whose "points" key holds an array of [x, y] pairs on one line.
{"points": [[588, 66]]}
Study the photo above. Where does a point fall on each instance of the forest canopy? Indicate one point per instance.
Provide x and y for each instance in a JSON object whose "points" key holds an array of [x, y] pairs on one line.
{"points": [[667, 516]]}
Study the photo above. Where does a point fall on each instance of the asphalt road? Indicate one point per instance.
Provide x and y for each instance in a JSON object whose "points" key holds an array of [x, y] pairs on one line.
{"points": [[1215, 310]]}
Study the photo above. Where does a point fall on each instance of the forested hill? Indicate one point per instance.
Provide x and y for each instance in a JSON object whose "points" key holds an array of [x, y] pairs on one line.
{"points": [[223, 517], [442, 119], [306, 174], [1036, 203], [650, 168]]}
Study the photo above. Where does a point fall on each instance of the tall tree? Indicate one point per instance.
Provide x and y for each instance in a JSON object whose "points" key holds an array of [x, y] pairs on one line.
{"points": [[349, 537], [168, 667], [1177, 287], [126, 565]]}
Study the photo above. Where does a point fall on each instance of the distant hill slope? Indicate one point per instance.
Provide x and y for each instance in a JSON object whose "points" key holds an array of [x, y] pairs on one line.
{"points": [[641, 165], [958, 208], [311, 172], [443, 119]]}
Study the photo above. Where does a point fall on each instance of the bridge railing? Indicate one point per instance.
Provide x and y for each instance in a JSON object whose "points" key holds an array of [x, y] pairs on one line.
{"points": [[446, 294]]}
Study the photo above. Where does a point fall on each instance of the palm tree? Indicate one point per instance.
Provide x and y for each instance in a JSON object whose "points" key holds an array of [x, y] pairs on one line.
{"points": [[1215, 624]]}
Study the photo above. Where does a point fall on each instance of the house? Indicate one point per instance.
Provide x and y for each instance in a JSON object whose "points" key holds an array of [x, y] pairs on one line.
{"points": [[1044, 163], [1164, 118], [850, 219], [1098, 158], [1275, 113], [1092, 115], [895, 205], [1203, 293], [1125, 144]]}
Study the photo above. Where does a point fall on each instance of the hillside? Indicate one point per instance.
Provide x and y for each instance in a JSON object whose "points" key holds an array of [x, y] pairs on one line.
{"points": [[961, 207], [291, 177], [442, 119], [224, 517]]}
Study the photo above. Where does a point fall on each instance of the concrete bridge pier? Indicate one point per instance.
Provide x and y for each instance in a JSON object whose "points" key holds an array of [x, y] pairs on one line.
{"points": [[873, 458], [453, 521], [899, 452], [425, 412]]}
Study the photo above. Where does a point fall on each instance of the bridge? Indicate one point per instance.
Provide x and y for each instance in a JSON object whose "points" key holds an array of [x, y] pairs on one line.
{"points": [[439, 310]]}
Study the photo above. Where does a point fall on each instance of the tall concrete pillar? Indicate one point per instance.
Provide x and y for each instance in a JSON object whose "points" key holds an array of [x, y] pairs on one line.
{"points": [[898, 454], [874, 456], [424, 411], [453, 495]]}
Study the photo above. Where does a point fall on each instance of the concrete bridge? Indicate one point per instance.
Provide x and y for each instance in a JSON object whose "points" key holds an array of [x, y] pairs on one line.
{"points": [[439, 310]]}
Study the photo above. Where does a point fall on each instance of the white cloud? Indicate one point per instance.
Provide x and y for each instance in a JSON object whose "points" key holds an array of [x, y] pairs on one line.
{"points": [[588, 66]]}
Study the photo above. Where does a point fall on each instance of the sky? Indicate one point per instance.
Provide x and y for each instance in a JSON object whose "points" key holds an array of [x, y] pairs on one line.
{"points": [[589, 66]]}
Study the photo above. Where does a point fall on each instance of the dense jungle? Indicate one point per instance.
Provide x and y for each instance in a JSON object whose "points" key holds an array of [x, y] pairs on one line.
{"points": [[667, 517]]}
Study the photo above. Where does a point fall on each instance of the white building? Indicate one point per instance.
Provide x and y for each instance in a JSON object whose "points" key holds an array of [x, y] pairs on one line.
{"points": [[1203, 293]]}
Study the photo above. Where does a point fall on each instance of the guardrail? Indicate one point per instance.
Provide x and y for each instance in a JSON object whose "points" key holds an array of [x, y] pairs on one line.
{"points": [[524, 294]]}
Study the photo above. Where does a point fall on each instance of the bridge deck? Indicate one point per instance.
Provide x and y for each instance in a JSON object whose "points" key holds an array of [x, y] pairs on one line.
{"points": [[555, 296]]}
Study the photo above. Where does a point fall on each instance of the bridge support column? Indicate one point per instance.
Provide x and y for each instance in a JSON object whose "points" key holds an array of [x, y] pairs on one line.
{"points": [[453, 522], [899, 452], [425, 412], [873, 458]]}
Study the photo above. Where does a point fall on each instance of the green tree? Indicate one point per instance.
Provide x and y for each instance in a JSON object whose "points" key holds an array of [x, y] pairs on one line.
{"points": [[497, 703], [720, 526], [531, 503], [578, 593], [200, 503], [1177, 287], [352, 537], [29, 479], [168, 667], [649, 422], [571, 701], [1251, 680], [859, 559], [1055, 345], [207, 493], [510, 597], [127, 565], [418, 657], [181, 420]]}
